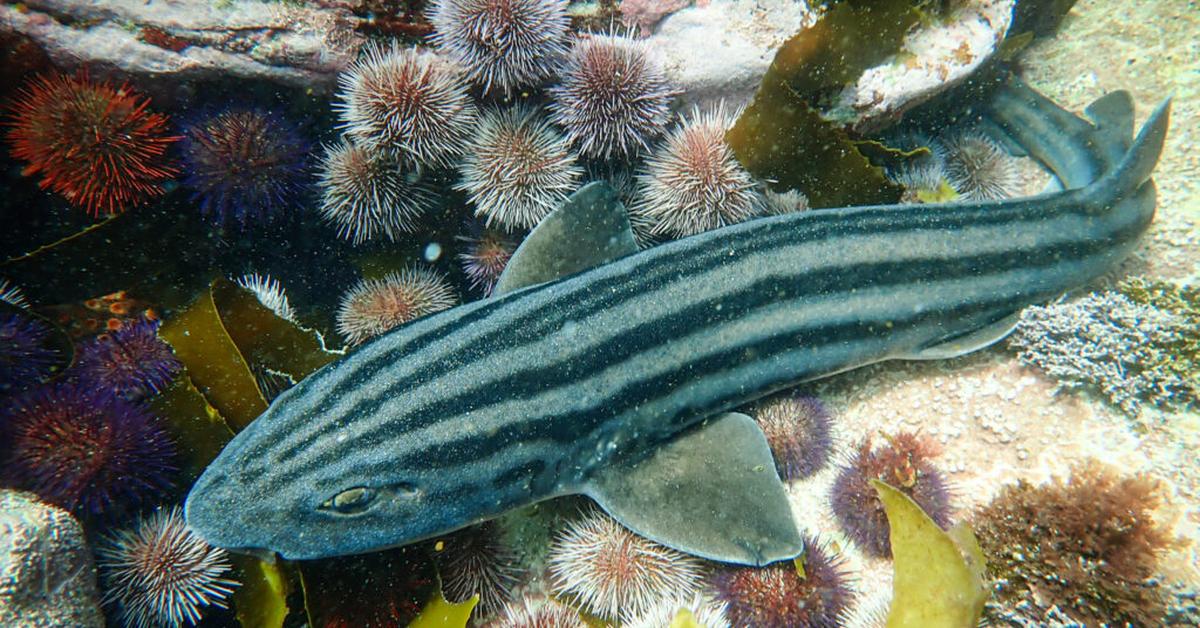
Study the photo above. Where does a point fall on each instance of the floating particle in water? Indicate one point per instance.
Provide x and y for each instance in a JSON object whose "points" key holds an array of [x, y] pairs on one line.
{"points": [[615, 574], [777, 595], [518, 168], [375, 306], [245, 165], [978, 168], [12, 294], [485, 257], [613, 99], [537, 612], [97, 145], [131, 362], [269, 293], [408, 104], [798, 429], [502, 44], [25, 355], [86, 450], [706, 613], [904, 461], [477, 561], [693, 182], [367, 196], [159, 573]]}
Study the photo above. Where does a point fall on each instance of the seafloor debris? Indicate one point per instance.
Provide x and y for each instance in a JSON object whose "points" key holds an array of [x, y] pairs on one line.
{"points": [[48, 577], [1136, 345]]}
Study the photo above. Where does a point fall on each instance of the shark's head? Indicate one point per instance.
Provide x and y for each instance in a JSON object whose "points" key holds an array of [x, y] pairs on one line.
{"points": [[306, 488]]}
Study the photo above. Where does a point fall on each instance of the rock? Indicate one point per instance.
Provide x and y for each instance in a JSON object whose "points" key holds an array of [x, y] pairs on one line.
{"points": [[47, 576], [186, 39]]}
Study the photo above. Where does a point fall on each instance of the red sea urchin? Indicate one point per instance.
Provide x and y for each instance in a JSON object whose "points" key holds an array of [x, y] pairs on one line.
{"points": [[84, 449], [616, 574], [798, 430], [779, 595], [518, 168], [159, 573], [693, 182], [502, 44], [905, 461], [131, 362], [408, 104], [614, 98], [374, 306], [97, 145], [245, 165], [367, 196]]}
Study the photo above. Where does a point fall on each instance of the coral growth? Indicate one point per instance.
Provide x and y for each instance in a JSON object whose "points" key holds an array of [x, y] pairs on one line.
{"points": [[615, 574], [86, 450], [517, 168], [1135, 348], [367, 196], [26, 357], [131, 362], [408, 104], [977, 167], [784, 593], [693, 183], [485, 256], [904, 461], [476, 561], [159, 573], [614, 98], [502, 44], [798, 429], [374, 306], [1086, 546], [97, 145], [245, 165]]}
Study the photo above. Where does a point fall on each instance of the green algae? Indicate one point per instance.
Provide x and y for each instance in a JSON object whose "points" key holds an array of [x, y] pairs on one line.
{"points": [[938, 575], [194, 424], [261, 601], [439, 613]]}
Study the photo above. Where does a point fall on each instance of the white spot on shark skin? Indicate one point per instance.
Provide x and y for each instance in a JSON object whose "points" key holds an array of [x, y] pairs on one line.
{"points": [[341, 438]]}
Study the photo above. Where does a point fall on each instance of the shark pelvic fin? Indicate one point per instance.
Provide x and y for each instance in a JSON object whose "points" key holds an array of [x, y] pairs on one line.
{"points": [[968, 342], [590, 228], [712, 492]]}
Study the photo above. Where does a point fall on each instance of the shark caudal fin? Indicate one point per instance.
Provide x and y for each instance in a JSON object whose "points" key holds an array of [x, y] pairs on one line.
{"points": [[712, 492]]}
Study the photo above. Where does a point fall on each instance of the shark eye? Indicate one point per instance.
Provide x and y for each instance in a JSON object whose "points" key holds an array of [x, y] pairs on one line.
{"points": [[351, 501]]}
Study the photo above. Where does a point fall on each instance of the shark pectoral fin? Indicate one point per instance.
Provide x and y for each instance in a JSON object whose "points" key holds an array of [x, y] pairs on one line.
{"points": [[590, 228], [969, 342], [712, 492]]}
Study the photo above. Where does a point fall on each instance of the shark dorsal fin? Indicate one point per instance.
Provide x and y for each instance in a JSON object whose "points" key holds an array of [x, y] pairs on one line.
{"points": [[590, 228], [712, 492]]}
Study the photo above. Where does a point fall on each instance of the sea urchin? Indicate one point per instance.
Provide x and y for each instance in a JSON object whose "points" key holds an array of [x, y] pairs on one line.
{"points": [[131, 362], [160, 573], [783, 594], [367, 196], [375, 306], [798, 430], [97, 145], [502, 44], [978, 168]]}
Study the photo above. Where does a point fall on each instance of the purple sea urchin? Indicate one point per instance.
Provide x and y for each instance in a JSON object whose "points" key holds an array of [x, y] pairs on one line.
{"points": [[160, 573], [616, 574], [693, 182], [978, 168], [778, 595], [25, 357], [375, 306], [131, 362], [502, 44], [408, 104], [905, 461], [613, 99], [245, 165], [798, 431], [486, 255], [367, 196], [476, 561], [518, 168], [84, 449]]}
